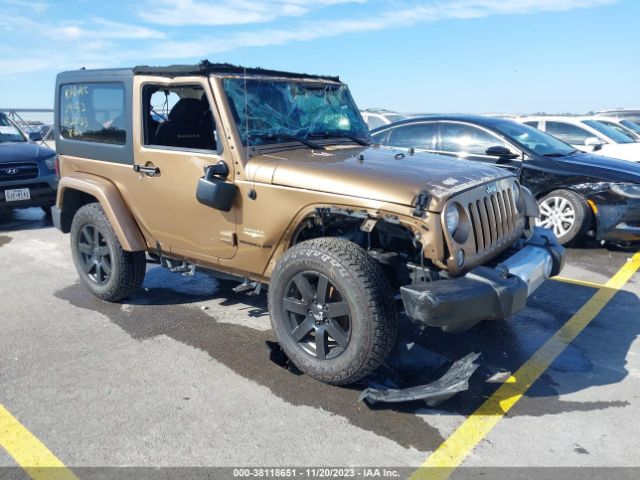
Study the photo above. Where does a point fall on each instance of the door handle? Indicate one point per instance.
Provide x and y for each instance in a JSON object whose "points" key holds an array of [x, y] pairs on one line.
{"points": [[151, 171]]}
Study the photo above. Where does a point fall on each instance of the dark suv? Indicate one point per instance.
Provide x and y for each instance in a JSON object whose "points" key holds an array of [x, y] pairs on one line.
{"points": [[27, 170]]}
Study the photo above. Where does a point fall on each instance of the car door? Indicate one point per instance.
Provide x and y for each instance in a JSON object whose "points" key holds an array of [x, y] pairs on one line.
{"points": [[176, 141], [471, 142]]}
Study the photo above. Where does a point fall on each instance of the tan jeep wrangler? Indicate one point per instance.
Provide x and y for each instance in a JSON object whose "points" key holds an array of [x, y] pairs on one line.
{"points": [[268, 177]]}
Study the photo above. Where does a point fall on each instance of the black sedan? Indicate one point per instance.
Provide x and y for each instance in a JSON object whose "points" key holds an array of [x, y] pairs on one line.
{"points": [[578, 193]]}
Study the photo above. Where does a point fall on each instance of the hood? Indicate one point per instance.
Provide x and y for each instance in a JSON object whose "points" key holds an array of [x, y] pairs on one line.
{"points": [[23, 152], [624, 151], [602, 168], [373, 173]]}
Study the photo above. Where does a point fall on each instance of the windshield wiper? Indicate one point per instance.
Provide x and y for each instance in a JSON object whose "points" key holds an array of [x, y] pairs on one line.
{"points": [[358, 140], [285, 136], [555, 155]]}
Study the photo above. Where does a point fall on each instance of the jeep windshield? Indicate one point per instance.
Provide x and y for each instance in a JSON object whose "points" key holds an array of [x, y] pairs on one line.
{"points": [[276, 111], [9, 132]]}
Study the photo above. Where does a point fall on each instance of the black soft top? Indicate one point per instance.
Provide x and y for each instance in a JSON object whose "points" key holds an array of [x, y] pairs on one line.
{"points": [[207, 68]]}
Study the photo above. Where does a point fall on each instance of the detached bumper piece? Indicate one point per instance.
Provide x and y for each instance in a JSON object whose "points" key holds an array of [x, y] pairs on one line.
{"points": [[455, 380], [485, 293]]}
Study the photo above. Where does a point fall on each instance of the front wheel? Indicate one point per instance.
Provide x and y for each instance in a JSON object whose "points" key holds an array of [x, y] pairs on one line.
{"points": [[108, 271], [566, 213], [332, 310]]}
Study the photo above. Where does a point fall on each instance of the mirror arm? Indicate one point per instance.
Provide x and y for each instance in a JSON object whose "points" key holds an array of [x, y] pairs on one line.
{"points": [[219, 171]]}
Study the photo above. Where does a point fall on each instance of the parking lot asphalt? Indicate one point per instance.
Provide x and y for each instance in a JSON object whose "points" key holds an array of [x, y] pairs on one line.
{"points": [[179, 375]]}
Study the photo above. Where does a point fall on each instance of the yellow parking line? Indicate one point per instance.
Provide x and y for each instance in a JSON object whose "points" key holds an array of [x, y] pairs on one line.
{"points": [[29, 452], [575, 281], [446, 458]]}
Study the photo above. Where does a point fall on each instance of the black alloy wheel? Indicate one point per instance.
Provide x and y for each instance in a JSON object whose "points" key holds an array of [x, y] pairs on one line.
{"points": [[319, 319], [95, 255]]}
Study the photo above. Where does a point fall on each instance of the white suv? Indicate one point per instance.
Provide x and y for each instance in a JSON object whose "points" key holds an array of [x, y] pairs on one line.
{"points": [[375, 117], [589, 135]]}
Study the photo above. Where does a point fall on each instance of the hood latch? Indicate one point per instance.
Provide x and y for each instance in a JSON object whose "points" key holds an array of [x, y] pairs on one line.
{"points": [[421, 203]]}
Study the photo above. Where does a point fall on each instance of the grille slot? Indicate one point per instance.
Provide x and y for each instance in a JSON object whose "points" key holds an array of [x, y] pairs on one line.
{"points": [[18, 171]]}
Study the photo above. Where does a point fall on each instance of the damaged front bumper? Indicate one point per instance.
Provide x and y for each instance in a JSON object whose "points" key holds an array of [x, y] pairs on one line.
{"points": [[618, 222], [486, 293]]}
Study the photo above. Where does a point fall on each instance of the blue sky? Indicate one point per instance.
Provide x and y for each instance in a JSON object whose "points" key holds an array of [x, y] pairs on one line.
{"points": [[417, 56]]}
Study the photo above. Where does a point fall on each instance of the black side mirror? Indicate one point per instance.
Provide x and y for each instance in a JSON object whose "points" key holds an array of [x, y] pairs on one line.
{"points": [[35, 136], [503, 153], [212, 189]]}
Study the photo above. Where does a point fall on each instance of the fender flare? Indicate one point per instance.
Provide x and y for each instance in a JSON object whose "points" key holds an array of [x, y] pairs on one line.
{"points": [[106, 193]]}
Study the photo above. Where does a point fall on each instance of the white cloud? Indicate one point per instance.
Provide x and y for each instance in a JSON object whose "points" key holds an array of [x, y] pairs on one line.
{"points": [[97, 42], [35, 6], [98, 29], [400, 17], [228, 12]]}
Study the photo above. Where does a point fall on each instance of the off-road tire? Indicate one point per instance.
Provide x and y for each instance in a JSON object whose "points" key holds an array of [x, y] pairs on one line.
{"points": [[582, 216], [127, 268], [362, 285]]}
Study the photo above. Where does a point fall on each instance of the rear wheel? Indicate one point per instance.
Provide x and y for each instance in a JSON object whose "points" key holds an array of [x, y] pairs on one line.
{"points": [[332, 310], [108, 271], [566, 213]]}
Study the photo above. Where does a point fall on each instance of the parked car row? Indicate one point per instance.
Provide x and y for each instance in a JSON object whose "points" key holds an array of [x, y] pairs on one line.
{"points": [[590, 134], [579, 194]]}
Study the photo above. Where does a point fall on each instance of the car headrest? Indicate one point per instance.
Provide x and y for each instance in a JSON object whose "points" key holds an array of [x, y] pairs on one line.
{"points": [[187, 109]]}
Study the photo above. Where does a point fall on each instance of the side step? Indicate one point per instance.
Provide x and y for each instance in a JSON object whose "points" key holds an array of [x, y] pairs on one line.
{"points": [[176, 266], [253, 288]]}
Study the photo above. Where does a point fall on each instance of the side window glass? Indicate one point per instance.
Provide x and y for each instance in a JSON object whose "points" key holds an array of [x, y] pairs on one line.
{"points": [[532, 124], [568, 133], [421, 135], [178, 117], [93, 112], [465, 139]]}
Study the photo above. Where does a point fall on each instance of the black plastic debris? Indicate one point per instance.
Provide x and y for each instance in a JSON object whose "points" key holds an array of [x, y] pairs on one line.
{"points": [[411, 373], [454, 380]]}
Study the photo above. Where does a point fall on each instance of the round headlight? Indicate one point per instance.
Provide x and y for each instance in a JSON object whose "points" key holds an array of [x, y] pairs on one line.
{"points": [[452, 218]]}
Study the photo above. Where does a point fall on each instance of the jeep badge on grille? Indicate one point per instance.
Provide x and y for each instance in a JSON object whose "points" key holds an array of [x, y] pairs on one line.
{"points": [[492, 188]]}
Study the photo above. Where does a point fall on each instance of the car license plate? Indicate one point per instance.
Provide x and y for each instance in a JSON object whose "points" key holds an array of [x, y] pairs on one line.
{"points": [[17, 194]]}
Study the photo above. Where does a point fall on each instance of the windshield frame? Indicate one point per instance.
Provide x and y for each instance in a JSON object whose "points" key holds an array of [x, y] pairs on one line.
{"points": [[21, 134], [270, 138]]}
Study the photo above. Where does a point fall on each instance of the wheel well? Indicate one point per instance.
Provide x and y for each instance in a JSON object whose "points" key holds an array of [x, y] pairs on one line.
{"points": [[394, 246], [72, 201]]}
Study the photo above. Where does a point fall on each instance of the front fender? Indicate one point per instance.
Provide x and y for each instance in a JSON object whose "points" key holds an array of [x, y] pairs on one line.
{"points": [[106, 193]]}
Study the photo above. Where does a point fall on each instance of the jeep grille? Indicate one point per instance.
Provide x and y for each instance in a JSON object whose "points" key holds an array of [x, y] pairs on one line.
{"points": [[494, 223], [493, 219]]}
